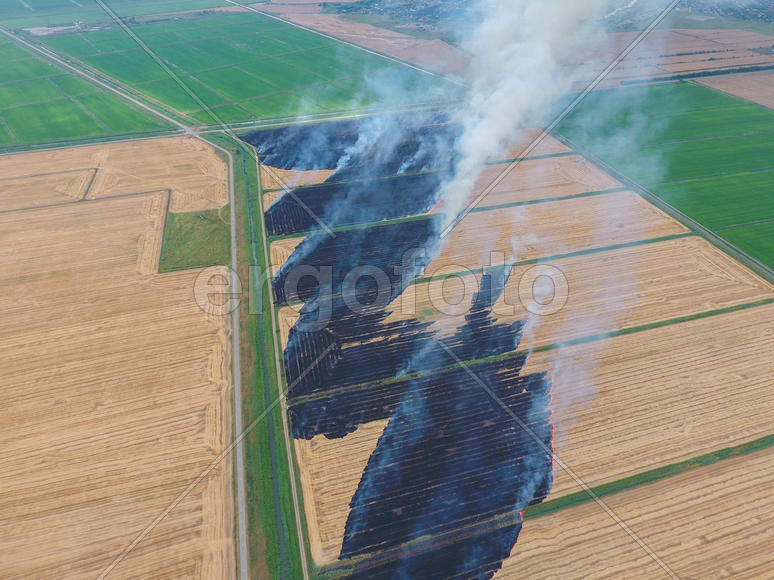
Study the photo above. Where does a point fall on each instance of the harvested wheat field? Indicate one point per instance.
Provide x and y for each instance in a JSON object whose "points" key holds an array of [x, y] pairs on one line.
{"points": [[189, 168], [547, 145], [757, 87], [281, 250], [536, 179], [607, 291], [609, 414], [692, 522], [327, 496], [551, 228], [683, 51], [276, 178], [44, 189], [116, 386]]}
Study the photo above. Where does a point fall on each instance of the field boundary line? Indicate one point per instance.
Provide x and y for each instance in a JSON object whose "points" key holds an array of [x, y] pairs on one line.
{"points": [[697, 75], [545, 348], [745, 225], [766, 169], [651, 476], [555, 257], [88, 200], [17, 149], [609, 191], [428, 215], [485, 269]]}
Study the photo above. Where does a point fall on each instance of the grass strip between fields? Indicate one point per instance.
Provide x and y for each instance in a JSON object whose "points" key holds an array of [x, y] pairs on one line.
{"points": [[272, 536], [548, 347], [545, 259], [430, 171], [424, 216], [552, 506], [485, 269]]}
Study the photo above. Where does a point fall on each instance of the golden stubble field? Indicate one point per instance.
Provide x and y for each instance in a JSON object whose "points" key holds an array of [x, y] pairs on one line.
{"points": [[623, 404], [714, 522], [116, 388], [755, 86]]}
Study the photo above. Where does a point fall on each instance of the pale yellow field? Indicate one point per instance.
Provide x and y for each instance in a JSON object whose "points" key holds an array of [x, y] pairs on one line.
{"points": [[276, 178], [621, 405], [551, 228], [44, 189], [542, 178], [713, 522], [188, 168], [607, 291], [116, 387], [757, 87]]}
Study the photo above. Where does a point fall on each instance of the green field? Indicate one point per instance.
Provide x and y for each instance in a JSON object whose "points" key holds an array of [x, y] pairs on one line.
{"points": [[247, 66], [709, 155], [18, 14], [195, 240], [756, 239], [40, 103]]}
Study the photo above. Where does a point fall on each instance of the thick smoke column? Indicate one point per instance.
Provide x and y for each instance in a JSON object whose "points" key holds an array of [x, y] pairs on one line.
{"points": [[516, 77]]}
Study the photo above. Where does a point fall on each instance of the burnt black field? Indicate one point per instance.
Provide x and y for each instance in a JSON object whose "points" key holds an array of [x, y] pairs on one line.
{"points": [[395, 171], [462, 456]]}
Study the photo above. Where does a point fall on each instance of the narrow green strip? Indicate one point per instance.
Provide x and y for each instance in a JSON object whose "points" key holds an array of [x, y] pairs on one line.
{"points": [[552, 506], [527, 352], [549, 199], [532, 158], [425, 216], [555, 257]]}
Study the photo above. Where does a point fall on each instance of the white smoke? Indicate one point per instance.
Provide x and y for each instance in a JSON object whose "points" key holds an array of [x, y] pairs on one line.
{"points": [[517, 76]]}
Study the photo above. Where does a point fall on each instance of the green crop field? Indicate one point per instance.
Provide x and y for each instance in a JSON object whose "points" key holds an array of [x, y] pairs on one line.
{"points": [[757, 240], [707, 154], [64, 12], [39, 103], [246, 66], [195, 240]]}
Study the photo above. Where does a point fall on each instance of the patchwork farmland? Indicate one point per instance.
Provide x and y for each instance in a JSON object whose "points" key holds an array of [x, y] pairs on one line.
{"points": [[245, 67], [648, 295], [116, 386], [574, 382], [40, 103], [707, 154]]}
